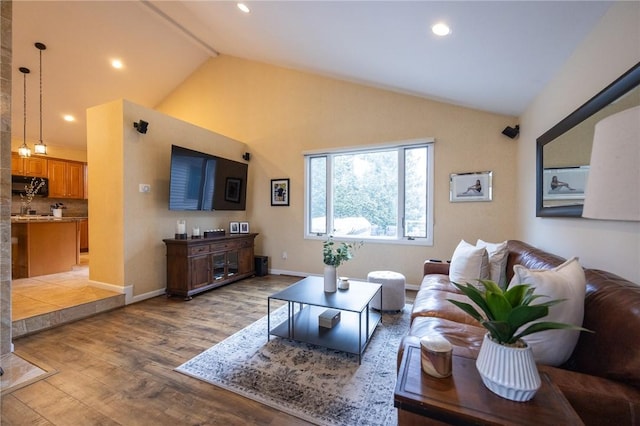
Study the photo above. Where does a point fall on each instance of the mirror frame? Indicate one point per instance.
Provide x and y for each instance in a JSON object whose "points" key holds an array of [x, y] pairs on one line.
{"points": [[625, 83]]}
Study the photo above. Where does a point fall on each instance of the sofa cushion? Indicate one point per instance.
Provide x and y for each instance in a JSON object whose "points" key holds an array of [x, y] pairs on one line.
{"points": [[566, 281], [465, 338], [435, 303], [497, 261], [469, 264]]}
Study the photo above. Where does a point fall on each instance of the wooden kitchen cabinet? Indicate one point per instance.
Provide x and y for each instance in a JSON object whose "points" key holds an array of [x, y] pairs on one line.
{"points": [[198, 265], [84, 235], [31, 166], [66, 179]]}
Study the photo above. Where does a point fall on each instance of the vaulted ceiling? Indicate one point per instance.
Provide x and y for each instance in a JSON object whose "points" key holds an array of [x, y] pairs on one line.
{"points": [[498, 57]]}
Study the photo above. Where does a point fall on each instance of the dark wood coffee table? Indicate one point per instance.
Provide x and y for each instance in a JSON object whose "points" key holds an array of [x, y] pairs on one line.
{"points": [[462, 398], [306, 300]]}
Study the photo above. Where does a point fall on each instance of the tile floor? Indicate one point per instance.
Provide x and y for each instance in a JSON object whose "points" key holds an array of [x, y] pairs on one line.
{"points": [[42, 302], [47, 301]]}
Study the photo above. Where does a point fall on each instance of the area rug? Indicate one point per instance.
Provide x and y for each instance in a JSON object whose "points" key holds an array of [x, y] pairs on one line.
{"points": [[319, 385]]}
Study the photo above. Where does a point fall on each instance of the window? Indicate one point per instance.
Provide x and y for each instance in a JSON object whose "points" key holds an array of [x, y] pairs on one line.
{"points": [[381, 193]]}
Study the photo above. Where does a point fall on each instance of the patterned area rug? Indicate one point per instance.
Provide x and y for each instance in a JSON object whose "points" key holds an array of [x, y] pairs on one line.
{"points": [[319, 385]]}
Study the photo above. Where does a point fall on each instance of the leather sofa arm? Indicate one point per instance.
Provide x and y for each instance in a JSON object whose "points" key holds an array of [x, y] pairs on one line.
{"points": [[435, 267]]}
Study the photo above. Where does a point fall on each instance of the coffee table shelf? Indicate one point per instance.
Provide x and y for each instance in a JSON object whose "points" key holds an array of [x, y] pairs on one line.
{"points": [[306, 300], [342, 337]]}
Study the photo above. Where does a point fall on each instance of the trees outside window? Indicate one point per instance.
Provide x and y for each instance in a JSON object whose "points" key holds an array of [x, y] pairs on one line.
{"points": [[377, 193]]}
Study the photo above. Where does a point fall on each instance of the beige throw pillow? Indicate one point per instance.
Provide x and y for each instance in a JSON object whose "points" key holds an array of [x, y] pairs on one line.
{"points": [[469, 264], [567, 281], [498, 254]]}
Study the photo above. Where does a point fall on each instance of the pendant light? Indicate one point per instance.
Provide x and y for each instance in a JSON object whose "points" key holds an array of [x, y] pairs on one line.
{"points": [[24, 151], [40, 147]]}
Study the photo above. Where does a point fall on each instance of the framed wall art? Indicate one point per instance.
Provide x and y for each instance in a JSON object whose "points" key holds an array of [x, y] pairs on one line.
{"points": [[234, 227], [244, 227], [473, 186], [280, 192]]}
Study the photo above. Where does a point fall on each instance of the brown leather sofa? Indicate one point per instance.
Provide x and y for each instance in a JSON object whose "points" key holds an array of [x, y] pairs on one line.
{"points": [[601, 379]]}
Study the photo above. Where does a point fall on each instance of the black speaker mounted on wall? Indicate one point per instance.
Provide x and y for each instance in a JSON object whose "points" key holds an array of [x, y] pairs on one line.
{"points": [[141, 126], [511, 132]]}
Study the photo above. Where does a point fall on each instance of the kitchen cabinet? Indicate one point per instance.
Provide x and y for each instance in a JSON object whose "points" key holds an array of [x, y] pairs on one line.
{"points": [[198, 265], [31, 166], [83, 226], [43, 246], [66, 179]]}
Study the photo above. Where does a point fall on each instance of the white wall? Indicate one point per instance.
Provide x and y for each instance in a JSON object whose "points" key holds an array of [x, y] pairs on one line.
{"points": [[612, 48]]}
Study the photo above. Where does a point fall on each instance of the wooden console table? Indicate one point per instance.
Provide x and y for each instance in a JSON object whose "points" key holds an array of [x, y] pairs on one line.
{"points": [[462, 398], [197, 265]]}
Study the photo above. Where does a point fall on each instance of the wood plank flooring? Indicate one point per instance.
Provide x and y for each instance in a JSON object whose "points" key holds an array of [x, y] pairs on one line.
{"points": [[116, 368]]}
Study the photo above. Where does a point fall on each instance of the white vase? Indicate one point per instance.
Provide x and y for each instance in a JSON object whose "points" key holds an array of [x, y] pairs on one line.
{"points": [[508, 372], [330, 279]]}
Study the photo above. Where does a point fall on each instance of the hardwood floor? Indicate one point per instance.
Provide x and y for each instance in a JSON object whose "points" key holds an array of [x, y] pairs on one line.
{"points": [[116, 368]]}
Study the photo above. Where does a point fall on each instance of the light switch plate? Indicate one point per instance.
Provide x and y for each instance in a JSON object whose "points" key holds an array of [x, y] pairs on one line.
{"points": [[144, 187]]}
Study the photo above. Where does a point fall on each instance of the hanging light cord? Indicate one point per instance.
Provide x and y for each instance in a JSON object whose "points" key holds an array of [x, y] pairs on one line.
{"points": [[40, 96]]}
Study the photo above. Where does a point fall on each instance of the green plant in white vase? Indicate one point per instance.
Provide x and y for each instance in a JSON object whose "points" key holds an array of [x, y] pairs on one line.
{"points": [[508, 315], [333, 255]]}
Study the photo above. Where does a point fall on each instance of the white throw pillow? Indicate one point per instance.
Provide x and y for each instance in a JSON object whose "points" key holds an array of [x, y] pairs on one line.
{"points": [[567, 281], [498, 255], [469, 264]]}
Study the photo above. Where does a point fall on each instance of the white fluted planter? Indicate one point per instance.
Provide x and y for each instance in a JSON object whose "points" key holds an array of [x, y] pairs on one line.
{"points": [[330, 279], [508, 372]]}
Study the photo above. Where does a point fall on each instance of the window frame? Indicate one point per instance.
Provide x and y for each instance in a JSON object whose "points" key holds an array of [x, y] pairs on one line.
{"points": [[428, 143]]}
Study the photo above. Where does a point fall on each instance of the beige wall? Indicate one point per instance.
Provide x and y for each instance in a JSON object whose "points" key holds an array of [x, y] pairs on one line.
{"points": [[611, 49], [126, 227], [55, 151], [280, 113]]}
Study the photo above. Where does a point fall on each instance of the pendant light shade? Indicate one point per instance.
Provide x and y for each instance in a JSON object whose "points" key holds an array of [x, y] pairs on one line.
{"points": [[40, 147], [24, 151]]}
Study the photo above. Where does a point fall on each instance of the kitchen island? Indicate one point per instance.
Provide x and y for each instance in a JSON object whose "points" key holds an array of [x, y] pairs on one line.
{"points": [[43, 245]]}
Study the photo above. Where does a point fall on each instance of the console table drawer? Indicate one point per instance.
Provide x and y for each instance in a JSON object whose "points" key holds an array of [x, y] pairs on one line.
{"points": [[199, 249]]}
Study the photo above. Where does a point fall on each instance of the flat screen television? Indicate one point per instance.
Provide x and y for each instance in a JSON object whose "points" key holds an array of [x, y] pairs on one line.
{"points": [[200, 181]]}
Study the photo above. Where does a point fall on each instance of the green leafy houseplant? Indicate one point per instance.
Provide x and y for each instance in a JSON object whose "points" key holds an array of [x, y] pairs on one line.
{"points": [[335, 254], [505, 312]]}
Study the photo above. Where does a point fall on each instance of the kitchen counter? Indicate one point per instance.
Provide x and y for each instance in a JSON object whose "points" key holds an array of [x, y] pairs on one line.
{"points": [[43, 245]]}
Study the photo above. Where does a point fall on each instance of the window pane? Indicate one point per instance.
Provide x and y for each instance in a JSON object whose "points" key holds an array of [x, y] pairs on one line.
{"points": [[415, 199], [365, 192], [318, 194]]}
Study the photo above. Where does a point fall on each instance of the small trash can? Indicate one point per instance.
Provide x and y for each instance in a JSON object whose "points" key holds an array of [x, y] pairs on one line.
{"points": [[262, 265]]}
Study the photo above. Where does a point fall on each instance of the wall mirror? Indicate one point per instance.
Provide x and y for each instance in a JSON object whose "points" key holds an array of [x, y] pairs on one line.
{"points": [[564, 151]]}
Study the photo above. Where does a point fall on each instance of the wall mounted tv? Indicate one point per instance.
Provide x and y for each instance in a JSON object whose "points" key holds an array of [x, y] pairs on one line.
{"points": [[200, 181]]}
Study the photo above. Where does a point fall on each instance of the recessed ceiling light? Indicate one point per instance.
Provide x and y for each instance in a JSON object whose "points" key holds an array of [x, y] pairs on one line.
{"points": [[68, 117], [117, 64], [243, 7], [441, 29]]}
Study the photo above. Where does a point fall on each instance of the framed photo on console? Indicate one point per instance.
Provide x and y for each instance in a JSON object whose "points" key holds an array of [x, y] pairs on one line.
{"points": [[244, 227], [234, 227]]}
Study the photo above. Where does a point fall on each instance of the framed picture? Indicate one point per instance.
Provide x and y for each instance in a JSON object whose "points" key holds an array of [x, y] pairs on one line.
{"points": [[234, 227], [244, 227], [279, 192], [232, 190], [473, 186], [564, 183]]}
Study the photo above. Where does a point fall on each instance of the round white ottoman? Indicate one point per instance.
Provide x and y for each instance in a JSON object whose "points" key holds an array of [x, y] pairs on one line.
{"points": [[392, 290]]}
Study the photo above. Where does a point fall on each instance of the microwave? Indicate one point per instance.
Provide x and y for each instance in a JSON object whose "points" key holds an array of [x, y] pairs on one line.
{"points": [[19, 184]]}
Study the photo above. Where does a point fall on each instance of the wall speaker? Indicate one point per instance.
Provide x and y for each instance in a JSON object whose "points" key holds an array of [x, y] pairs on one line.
{"points": [[511, 132], [246, 156], [141, 126]]}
